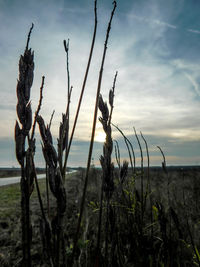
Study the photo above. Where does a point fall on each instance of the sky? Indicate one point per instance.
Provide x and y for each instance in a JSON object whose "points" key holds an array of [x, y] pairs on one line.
{"points": [[155, 47]]}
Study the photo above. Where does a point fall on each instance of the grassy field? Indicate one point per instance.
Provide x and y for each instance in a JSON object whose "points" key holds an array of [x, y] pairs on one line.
{"points": [[182, 184], [10, 198], [10, 225]]}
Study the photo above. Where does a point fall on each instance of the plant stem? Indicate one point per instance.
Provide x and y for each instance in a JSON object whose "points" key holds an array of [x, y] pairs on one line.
{"points": [[93, 133], [99, 229], [142, 178], [82, 90], [127, 142]]}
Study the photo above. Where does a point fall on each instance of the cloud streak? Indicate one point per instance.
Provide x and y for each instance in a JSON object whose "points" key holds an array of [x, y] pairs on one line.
{"points": [[193, 31], [194, 83], [154, 21]]}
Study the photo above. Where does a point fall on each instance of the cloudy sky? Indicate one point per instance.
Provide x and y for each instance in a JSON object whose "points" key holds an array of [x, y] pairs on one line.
{"points": [[155, 47]]}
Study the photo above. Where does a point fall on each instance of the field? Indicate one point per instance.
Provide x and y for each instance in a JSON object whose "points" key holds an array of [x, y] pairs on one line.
{"points": [[182, 185]]}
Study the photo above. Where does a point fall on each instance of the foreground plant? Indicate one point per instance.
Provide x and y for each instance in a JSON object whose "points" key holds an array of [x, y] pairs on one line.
{"points": [[25, 144], [107, 167]]}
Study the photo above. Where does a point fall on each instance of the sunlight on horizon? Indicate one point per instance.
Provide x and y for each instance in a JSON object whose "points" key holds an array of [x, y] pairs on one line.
{"points": [[100, 137]]}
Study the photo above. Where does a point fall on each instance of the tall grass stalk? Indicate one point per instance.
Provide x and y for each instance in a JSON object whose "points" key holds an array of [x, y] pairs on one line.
{"points": [[107, 166], [128, 145], [117, 154], [141, 176], [25, 156], [24, 112], [58, 191], [82, 90], [148, 187], [64, 127], [93, 132]]}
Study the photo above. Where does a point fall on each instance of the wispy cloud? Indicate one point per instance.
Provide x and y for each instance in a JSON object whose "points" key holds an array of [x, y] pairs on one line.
{"points": [[164, 24], [154, 21], [160, 23], [194, 83], [193, 31]]}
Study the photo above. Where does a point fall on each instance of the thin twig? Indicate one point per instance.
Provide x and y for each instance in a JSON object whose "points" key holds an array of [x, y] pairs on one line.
{"points": [[51, 119], [29, 35], [68, 103], [38, 108], [66, 46], [65, 131]]}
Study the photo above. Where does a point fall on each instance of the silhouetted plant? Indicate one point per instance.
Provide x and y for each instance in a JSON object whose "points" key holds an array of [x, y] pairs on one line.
{"points": [[25, 144]]}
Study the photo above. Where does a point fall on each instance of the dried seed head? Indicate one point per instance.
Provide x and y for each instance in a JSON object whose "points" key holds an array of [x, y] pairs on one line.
{"points": [[103, 108], [21, 113], [50, 155], [63, 132], [111, 98], [49, 136], [19, 143], [108, 175], [57, 187], [20, 95], [24, 113], [104, 124], [52, 174], [60, 191], [44, 132], [124, 171], [42, 128], [28, 117], [26, 68]]}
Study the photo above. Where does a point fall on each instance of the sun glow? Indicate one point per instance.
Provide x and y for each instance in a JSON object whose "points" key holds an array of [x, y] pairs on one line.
{"points": [[100, 137]]}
